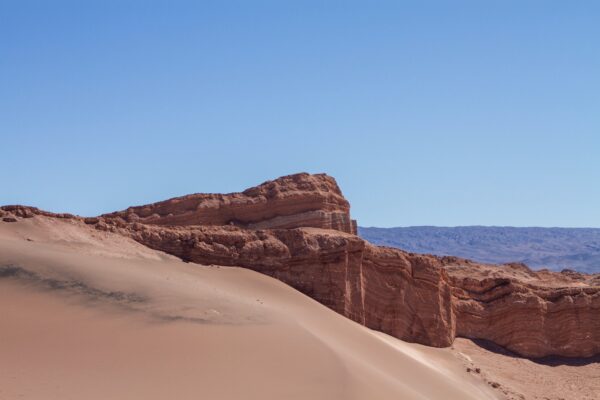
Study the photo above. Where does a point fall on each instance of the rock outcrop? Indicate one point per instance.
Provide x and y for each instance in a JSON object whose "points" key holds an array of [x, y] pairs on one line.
{"points": [[298, 229], [535, 314], [300, 200], [405, 295]]}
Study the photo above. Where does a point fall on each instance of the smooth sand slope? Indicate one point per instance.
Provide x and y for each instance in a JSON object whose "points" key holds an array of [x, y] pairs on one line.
{"points": [[92, 315]]}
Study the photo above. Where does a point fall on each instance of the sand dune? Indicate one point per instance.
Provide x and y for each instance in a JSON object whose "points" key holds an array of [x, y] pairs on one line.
{"points": [[92, 315]]}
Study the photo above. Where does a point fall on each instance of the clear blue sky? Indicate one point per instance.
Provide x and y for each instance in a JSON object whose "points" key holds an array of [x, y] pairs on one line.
{"points": [[427, 113]]}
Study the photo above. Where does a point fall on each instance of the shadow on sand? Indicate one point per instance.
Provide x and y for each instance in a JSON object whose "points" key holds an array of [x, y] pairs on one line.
{"points": [[552, 361]]}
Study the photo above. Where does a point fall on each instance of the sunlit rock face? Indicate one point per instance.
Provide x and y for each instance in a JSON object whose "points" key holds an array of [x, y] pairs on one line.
{"points": [[300, 200], [298, 229]]}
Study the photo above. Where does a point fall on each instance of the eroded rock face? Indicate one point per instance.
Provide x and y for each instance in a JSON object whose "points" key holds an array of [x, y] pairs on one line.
{"points": [[300, 200], [531, 313], [277, 229], [405, 295], [417, 298]]}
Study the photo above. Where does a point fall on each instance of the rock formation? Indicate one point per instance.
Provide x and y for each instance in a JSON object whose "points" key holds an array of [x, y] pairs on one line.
{"points": [[299, 200], [298, 229], [385, 289], [531, 313]]}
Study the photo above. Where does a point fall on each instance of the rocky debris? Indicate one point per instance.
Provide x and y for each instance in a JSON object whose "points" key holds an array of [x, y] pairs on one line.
{"points": [[6, 216], [30, 212], [300, 200], [298, 230], [20, 211]]}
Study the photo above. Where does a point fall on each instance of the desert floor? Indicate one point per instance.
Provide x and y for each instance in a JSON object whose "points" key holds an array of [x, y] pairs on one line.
{"points": [[553, 378]]}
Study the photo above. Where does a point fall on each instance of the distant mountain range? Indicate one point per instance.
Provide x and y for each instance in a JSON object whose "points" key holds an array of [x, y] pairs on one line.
{"points": [[552, 248]]}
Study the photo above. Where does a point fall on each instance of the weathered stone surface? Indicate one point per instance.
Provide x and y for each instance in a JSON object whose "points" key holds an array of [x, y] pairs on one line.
{"points": [[300, 200], [385, 289], [531, 313], [30, 212], [418, 298], [20, 211]]}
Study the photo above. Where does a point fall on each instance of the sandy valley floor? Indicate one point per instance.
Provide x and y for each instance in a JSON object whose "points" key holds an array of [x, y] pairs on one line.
{"points": [[519, 378]]}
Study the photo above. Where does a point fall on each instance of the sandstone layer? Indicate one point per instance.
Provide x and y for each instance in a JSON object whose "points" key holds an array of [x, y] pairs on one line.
{"points": [[417, 298], [531, 313], [300, 200]]}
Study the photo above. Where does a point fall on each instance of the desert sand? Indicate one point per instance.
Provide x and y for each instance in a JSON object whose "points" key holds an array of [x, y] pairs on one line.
{"points": [[87, 314], [518, 378]]}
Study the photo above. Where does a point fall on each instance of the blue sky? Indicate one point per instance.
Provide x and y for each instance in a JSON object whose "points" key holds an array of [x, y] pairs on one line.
{"points": [[426, 112]]}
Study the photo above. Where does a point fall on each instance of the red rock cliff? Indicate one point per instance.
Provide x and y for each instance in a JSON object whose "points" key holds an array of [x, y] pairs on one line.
{"points": [[405, 295], [418, 298], [300, 200]]}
